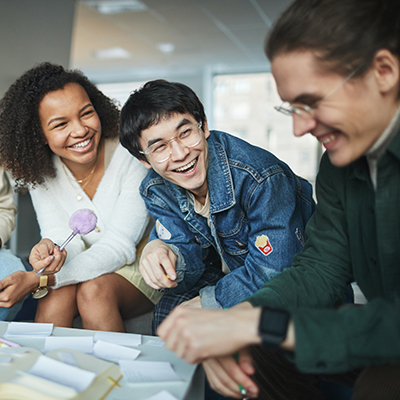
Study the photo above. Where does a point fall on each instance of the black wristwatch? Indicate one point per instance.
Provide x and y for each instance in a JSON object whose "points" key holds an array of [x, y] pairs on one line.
{"points": [[273, 326]]}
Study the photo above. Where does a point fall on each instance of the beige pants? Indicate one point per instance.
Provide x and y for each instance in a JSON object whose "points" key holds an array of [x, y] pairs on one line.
{"points": [[132, 274]]}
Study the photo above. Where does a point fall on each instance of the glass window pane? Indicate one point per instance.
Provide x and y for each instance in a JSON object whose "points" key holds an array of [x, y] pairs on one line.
{"points": [[243, 106]]}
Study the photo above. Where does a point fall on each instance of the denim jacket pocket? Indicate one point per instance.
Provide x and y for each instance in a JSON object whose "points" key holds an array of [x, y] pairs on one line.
{"points": [[235, 242]]}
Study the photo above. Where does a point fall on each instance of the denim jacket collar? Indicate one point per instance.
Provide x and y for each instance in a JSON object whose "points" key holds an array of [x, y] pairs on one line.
{"points": [[219, 179], [220, 184]]}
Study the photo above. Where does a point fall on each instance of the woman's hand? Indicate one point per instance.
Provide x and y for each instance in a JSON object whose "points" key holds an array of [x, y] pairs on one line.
{"points": [[16, 286], [228, 377], [47, 255]]}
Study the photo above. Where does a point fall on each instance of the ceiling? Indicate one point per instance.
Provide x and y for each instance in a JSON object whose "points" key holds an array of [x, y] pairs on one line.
{"points": [[164, 38]]}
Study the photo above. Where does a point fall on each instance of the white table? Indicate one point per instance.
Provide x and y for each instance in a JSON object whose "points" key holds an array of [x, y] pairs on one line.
{"points": [[190, 388]]}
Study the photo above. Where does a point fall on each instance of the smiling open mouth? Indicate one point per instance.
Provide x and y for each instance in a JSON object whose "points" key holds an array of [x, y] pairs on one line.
{"points": [[328, 139], [81, 144], [188, 167]]}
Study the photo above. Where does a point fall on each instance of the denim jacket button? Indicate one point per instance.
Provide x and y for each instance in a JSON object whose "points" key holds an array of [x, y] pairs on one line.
{"points": [[197, 215]]}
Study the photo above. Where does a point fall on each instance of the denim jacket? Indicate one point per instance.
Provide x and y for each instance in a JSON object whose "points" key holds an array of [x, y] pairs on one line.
{"points": [[258, 212]]}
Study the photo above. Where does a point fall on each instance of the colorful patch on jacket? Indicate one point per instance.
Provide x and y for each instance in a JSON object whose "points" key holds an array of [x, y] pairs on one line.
{"points": [[263, 244], [162, 231]]}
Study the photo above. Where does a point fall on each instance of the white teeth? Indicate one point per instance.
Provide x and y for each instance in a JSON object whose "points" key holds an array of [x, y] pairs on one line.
{"points": [[81, 144], [187, 166], [328, 139]]}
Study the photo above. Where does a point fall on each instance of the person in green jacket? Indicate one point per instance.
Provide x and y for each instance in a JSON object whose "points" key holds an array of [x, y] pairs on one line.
{"points": [[336, 65]]}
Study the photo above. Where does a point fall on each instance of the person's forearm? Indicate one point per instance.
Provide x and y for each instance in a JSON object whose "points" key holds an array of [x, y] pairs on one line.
{"points": [[247, 319]]}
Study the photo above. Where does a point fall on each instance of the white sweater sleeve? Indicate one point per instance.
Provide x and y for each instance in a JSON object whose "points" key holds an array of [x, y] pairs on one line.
{"points": [[122, 219]]}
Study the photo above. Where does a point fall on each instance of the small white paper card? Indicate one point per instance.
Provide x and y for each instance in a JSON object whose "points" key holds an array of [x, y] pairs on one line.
{"points": [[68, 358], [29, 329], [122, 339], [84, 344], [63, 374], [163, 395], [13, 350], [156, 343], [148, 371], [113, 352]]}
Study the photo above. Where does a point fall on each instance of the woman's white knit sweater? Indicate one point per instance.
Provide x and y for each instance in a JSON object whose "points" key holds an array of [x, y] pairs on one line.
{"points": [[122, 216]]}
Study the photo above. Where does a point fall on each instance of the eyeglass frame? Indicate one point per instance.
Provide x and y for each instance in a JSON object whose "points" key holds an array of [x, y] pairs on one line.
{"points": [[169, 141], [299, 109]]}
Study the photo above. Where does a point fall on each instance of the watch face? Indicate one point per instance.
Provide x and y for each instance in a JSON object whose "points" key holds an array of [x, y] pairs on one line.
{"points": [[41, 292], [273, 326]]}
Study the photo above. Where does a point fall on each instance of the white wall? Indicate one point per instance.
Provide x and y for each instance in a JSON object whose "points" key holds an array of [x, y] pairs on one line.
{"points": [[31, 31]]}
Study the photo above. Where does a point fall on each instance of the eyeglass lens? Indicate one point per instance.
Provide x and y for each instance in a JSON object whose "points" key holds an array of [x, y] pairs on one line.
{"points": [[301, 110], [189, 137]]}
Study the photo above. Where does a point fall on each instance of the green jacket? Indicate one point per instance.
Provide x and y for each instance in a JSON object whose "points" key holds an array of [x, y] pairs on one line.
{"points": [[354, 235]]}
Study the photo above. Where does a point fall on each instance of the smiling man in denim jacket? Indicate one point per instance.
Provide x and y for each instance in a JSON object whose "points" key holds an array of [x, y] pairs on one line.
{"points": [[229, 215]]}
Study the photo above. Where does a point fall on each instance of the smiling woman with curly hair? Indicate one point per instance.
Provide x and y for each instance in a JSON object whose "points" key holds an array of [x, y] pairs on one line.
{"points": [[59, 140], [23, 149]]}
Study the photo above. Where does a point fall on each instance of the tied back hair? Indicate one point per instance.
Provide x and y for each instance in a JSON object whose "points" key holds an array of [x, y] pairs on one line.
{"points": [[344, 35]]}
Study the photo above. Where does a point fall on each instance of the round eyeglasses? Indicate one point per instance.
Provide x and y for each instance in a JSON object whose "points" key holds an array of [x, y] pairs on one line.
{"points": [[308, 112], [300, 109], [161, 150]]}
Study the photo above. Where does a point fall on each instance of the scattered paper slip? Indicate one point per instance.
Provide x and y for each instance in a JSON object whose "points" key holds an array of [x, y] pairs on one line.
{"points": [[63, 374], [12, 350], [68, 358], [29, 329], [148, 371], [164, 395], [113, 352], [122, 339], [155, 343], [83, 344]]}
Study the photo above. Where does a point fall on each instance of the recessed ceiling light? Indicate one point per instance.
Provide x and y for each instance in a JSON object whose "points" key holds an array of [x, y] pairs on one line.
{"points": [[116, 6], [166, 47], [112, 53]]}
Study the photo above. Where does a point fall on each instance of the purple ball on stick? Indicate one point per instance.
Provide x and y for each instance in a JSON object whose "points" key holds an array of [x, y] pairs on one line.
{"points": [[83, 221]]}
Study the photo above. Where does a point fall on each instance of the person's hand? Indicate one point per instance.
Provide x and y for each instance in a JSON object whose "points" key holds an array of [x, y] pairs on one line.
{"points": [[198, 334], [227, 377], [47, 255], [194, 303], [16, 286], [157, 265]]}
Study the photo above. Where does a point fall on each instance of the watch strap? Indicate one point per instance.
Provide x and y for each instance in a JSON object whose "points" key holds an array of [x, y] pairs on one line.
{"points": [[43, 281], [41, 290]]}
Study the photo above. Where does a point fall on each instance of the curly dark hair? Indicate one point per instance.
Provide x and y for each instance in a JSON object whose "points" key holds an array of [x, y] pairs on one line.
{"points": [[23, 149]]}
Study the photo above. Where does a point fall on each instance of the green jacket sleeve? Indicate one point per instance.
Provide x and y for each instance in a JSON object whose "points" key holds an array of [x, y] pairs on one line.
{"points": [[332, 340], [339, 340]]}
